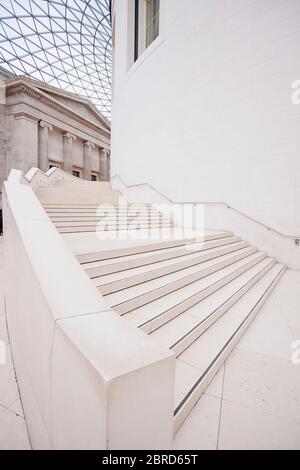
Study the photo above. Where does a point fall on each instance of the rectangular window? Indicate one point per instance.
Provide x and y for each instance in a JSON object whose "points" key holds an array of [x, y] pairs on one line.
{"points": [[146, 25], [152, 21], [54, 164], [76, 173], [93, 177], [136, 29]]}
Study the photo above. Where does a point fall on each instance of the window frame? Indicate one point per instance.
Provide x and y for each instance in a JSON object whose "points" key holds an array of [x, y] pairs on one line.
{"points": [[76, 170], [151, 23], [137, 48]]}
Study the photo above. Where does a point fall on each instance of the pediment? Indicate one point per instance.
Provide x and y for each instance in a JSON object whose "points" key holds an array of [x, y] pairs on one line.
{"points": [[78, 106]]}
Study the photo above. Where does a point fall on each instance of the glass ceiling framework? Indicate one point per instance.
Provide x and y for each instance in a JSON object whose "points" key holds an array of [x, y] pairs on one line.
{"points": [[64, 43]]}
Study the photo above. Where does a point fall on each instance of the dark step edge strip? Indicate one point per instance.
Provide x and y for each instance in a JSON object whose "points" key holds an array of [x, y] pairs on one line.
{"points": [[257, 277], [114, 254], [194, 295], [143, 249], [186, 277], [157, 276], [167, 259], [202, 377]]}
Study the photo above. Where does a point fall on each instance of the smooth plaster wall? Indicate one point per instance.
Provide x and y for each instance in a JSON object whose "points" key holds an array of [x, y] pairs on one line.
{"points": [[208, 108]]}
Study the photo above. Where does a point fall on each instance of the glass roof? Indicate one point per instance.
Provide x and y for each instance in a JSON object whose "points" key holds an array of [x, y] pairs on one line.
{"points": [[64, 43]]}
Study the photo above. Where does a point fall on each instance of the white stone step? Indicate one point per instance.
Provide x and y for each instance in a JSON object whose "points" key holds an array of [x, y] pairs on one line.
{"points": [[102, 223], [87, 258], [98, 215], [100, 210], [113, 228], [181, 332], [162, 309], [104, 267], [95, 206], [110, 219], [151, 246], [170, 282], [152, 316], [133, 277], [208, 353], [57, 196]]}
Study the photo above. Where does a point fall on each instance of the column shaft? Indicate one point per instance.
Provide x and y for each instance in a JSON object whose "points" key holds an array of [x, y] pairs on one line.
{"points": [[87, 159], [43, 158], [68, 147], [104, 165]]}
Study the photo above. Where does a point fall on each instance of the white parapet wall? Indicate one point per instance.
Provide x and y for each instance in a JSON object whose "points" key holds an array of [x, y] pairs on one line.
{"points": [[209, 111], [220, 216], [87, 378]]}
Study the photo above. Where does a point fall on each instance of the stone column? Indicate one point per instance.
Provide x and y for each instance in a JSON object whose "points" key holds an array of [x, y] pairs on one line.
{"points": [[87, 159], [43, 159], [67, 157], [108, 167], [104, 162], [24, 151]]}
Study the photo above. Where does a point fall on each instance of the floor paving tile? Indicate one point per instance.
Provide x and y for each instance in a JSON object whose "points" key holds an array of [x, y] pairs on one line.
{"points": [[243, 428], [200, 430]]}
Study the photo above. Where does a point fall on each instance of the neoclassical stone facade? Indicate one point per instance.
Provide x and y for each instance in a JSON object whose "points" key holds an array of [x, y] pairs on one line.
{"points": [[42, 126]]}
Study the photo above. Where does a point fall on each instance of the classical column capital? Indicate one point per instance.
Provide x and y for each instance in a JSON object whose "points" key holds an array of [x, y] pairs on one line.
{"points": [[45, 124], [105, 151], [89, 145], [70, 136]]}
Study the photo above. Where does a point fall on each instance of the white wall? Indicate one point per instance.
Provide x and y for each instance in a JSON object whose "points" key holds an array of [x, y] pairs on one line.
{"points": [[206, 113]]}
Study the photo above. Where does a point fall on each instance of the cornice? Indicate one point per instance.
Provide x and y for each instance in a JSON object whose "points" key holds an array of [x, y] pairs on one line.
{"points": [[21, 86]]}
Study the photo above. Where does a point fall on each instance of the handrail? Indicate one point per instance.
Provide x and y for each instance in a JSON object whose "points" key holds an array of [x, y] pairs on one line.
{"points": [[293, 237]]}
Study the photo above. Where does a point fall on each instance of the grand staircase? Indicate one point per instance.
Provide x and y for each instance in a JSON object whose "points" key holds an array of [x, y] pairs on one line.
{"points": [[74, 218], [196, 299], [194, 296]]}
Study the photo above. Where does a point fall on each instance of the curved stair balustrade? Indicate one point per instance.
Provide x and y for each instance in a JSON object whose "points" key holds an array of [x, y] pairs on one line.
{"points": [[223, 216], [87, 378]]}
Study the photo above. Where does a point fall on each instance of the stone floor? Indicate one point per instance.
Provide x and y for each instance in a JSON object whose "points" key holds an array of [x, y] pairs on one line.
{"points": [[253, 402], [13, 431]]}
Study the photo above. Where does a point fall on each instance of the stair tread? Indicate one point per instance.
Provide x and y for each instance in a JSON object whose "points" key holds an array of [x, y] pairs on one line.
{"points": [[69, 205], [86, 258], [200, 311], [187, 249], [102, 218], [204, 350], [146, 245], [143, 230], [153, 267], [145, 287], [160, 305], [107, 223], [96, 214], [168, 334]]}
